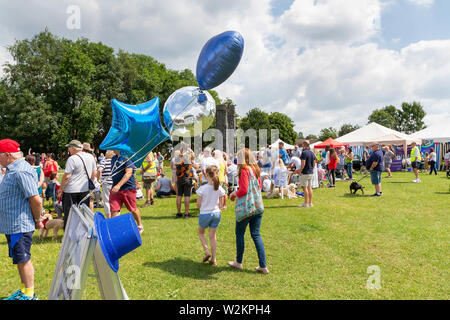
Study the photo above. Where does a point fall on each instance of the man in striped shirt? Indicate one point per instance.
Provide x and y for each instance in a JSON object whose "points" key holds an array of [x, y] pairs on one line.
{"points": [[20, 212], [104, 175]]}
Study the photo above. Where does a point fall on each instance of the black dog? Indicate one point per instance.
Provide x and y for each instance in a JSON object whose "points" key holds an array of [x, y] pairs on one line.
{"points": [[355, 186]]}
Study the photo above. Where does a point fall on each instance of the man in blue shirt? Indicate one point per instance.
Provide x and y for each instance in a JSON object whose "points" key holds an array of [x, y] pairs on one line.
{"points": [[306, 172], [20, 212], [375, 165], [283, 153], [124, 188]]}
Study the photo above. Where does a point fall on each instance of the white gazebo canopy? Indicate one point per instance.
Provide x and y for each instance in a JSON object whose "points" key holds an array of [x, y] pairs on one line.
{"points": [[371, 133], [395, 139], [287, 146], [437, 133]]}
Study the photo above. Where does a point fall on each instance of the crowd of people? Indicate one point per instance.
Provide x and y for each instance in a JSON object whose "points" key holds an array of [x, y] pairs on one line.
{"points": [[214, 176]]}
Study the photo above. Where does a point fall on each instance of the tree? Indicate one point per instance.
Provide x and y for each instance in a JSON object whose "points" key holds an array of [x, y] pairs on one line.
{"points": [[311, 137], [388, 117], [285, 126], [326, 133], [57, 89], [411, 118], [408, 119], [347, 128], [255, 119]]}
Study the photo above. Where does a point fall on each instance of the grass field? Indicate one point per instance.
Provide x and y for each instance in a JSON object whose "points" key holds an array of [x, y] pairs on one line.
{"points": [[312, 253]]}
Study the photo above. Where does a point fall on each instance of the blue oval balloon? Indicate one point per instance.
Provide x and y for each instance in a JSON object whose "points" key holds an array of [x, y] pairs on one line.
{"points": [[218, 59]]}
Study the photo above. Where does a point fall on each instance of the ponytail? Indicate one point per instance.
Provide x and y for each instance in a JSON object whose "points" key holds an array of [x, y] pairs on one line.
{"points": [[213, 173], [216, 182]]}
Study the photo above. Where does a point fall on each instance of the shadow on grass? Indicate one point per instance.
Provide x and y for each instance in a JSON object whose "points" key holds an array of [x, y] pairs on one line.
{"points": [[193, 213], [278, 207], [448, 192], [399, 182], [191, 269], [355, 195]]}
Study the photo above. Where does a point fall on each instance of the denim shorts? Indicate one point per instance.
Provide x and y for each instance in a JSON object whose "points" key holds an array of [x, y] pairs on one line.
{"points": [[209, 220], [375, 176]]}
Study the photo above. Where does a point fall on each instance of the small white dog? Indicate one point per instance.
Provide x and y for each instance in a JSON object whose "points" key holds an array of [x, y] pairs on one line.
{"points": [[290, 192], [50, 223]]}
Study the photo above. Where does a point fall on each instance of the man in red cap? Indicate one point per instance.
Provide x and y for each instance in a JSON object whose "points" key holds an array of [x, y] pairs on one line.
{"points": [[20, 212]]}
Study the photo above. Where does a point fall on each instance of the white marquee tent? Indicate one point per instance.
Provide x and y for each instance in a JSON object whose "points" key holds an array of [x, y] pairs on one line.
{"points": [[438, 133], [374, 132], [395, 139], [287, 146]]}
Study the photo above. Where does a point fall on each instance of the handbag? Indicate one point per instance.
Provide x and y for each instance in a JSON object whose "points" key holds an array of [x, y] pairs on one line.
{"points": [[90, 182], [251, 204]]}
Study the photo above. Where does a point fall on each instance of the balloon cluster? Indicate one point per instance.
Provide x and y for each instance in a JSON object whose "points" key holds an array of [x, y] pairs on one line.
{"points": [[137, 129], [190, 106]]}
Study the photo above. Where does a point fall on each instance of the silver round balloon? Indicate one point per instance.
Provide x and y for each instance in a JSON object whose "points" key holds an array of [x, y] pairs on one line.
{"points": [[189, 111]]}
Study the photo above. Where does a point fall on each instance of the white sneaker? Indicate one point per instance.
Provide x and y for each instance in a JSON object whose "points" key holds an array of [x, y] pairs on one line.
{"points": [[304, 205], [310, 205], [141, 229], [418, 180], [414, 180]]}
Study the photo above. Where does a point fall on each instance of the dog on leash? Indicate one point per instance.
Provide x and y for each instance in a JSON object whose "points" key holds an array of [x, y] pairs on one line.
{"points": [[50, 223], [355, 186]]}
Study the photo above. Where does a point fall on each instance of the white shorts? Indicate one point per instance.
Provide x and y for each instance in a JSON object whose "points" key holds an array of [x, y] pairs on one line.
{"points": [[306, 180]]}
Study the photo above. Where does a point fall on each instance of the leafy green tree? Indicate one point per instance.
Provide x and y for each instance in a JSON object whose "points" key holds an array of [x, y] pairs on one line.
{"points": [[411, 117], [387, 116], [255, 119], [326, 133], [312, 137], [408, 119], [58, 89], [347, 128], [284, 125]]}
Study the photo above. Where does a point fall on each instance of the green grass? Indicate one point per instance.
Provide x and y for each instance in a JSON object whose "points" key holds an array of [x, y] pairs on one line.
{"points": [[316, 253]]}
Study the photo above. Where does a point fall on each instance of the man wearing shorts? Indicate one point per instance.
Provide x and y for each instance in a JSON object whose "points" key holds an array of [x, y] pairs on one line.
{"points": [[149, 174], [184, 181], [124, 188], [416, 158], [375, 165], [20, 211], [306, 171]]}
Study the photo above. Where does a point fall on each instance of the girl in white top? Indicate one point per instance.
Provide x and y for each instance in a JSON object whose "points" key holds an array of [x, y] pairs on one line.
{"points": [[211, 201]]}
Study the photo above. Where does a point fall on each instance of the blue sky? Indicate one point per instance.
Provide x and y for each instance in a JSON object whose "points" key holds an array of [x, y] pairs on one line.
{"points": [[410, 23], [402, 22]]}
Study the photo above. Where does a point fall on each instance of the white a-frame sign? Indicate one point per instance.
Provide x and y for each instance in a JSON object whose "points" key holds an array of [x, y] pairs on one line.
{"points": [[80, 247]]}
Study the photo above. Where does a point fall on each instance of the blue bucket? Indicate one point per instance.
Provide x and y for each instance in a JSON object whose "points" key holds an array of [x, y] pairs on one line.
{"points": [[117, 236]]}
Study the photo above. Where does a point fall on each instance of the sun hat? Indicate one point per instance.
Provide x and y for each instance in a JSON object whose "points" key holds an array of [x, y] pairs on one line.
{"points": [[87, 146], [74, 143]]}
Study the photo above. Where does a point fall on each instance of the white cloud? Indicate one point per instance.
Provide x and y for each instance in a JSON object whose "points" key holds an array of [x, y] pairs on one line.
{"points": [[318, 62], [423, 3]]}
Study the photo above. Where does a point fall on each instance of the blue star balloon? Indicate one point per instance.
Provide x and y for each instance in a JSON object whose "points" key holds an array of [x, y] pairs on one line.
{"points": [[135, 130]]}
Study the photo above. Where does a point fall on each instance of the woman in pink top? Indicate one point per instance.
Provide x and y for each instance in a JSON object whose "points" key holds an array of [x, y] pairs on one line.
{"points": [[247, 163]]}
